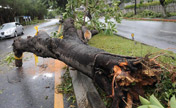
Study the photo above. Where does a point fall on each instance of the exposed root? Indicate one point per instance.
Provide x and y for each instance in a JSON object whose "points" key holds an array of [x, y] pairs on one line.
{"points": [[147, 73], [129, 101], [117, 70]]}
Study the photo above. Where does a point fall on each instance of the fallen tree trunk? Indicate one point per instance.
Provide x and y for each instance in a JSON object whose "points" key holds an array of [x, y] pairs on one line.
{"points": [[85, 34], [121, 77]]}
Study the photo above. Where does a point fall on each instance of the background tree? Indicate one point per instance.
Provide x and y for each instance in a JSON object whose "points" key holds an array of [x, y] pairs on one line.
{"points": [[55, 4], [11, 8], [135, 7], [163, 3]]}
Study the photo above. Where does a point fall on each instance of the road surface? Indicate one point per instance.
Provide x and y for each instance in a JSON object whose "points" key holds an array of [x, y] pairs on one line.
{"points": [[5, 44], [158, 34], [154, 33], [31, 86]]}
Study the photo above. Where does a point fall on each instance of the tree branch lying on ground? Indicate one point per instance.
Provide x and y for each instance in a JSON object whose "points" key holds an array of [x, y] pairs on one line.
{"points": [[121, 77]]}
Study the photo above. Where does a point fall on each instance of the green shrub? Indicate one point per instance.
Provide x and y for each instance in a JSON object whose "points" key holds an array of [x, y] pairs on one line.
{"points": [[110, 29], [143, 5], [51, 14], [141, 1], [149, 4], [150, 14], [144, 14], [129, 6], [129, 14], [172, 14], [170, 1]]}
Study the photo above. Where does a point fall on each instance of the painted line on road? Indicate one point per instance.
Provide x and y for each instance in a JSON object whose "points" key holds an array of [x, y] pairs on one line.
{"points": [[58, 97], [167, 32], [10, 46], [60, 26], [126, 25]]}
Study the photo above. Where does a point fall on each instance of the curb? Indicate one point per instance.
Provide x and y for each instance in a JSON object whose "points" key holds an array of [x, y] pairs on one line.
{"points": [[132, 40], [85, 91]]}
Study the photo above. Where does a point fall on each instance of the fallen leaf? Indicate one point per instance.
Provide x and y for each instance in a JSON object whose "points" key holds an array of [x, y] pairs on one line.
{"points": [[46, 97], [47, 87], [72, 106], [1, 92]]}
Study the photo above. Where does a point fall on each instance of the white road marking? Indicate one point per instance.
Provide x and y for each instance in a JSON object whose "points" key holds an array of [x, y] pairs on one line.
{"points": [[126, 25], [10, 46], [167, 32]]}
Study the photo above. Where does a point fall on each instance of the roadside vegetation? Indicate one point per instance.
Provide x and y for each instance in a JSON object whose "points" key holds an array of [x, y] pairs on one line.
{"points": [[16, 8], [165, 88], [143, 5], [67, 88], [144, 14], [38, 10], [34, 21], [93, 9], [150, 3], [149, 13]]}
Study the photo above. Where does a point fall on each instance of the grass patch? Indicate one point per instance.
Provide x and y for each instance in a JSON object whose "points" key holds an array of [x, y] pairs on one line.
{"points": [[163, 89], [122, 46]]}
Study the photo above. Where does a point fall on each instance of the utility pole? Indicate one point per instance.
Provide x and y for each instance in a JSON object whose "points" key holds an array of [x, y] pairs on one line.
{"points": [[135, 8]]}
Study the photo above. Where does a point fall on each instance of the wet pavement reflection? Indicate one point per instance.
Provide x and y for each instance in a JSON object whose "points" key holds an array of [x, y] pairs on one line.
{"points": [[158, 34], [30, 86]]}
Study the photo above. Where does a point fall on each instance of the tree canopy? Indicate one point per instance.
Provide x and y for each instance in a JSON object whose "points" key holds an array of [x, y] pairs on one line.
{"points": [[94, 10], [11, 8], [54, 4]]}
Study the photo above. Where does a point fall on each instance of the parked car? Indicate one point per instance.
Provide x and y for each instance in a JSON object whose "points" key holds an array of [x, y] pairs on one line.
{"points": [[12, 29]]}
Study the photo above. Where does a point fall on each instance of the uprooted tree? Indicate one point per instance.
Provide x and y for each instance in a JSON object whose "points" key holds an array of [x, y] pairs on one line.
{"points": [[121, 77]]}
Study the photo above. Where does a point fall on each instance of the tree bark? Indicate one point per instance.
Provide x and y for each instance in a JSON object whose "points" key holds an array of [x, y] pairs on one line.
{"points": [[85, 34], [93, 62], [135, 6], [164, 11], [163, 4]]}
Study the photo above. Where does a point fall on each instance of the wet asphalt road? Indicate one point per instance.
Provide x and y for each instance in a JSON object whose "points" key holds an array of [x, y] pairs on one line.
{"points": [[158, 34], [155, 33], [30, 86], [5, 44], [21, 89]]}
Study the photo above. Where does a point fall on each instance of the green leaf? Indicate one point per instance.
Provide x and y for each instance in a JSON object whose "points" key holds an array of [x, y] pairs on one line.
{"points": [[154, 101], [173, 102], [144, 101], [173, 85], [0, 91], [153, 106], [46, 97], [143, 106]]}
